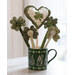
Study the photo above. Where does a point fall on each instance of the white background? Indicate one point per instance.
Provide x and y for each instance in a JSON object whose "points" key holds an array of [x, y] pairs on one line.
{"points": [[70, 37]]}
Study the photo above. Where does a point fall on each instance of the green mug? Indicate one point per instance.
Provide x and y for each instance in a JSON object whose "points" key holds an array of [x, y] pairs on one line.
{"points": [[38, 58]]}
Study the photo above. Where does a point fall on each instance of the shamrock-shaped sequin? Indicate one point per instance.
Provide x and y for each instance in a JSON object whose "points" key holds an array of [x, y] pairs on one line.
{"points": [[38, 16], [30, 32], [17, 23], [53, 31], [50, 22]]}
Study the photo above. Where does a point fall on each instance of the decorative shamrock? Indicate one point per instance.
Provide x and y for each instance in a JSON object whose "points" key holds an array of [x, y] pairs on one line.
{"points": [[30, 32], [50, 22], [38, 16], [17, 23], [53, 31]]}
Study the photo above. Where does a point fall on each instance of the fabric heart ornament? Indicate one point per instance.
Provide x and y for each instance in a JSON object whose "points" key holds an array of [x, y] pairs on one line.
{"points": [[37, 16]]}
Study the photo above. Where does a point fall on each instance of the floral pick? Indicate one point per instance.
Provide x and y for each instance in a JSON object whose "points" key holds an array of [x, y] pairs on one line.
{"points": [[30, 33], [17, 24], [53, 32], [48, 24]]}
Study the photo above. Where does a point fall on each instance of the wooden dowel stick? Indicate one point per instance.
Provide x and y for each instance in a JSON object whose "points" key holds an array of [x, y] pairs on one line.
{"points": [[32, 42], [52, 34], [47, 42]]}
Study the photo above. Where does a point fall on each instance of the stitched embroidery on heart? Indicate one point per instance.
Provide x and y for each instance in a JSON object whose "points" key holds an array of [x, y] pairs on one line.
{"points": [[37, 16]]}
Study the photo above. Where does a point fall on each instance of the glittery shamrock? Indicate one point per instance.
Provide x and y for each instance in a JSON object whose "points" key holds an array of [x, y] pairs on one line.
{"points": [[30, 32], [53, 31], [38, 15], [50, 22], [17, 23]]}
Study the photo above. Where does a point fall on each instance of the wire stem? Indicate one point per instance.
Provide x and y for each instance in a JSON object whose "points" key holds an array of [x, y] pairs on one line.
{"points": [[44, 41], [24, 39]]}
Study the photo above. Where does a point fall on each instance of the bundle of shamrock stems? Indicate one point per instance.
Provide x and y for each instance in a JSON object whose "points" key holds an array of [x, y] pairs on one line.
{"points": [[38, 17]]}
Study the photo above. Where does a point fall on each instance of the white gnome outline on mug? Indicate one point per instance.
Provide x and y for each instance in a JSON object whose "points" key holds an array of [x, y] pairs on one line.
{"points": [[40, 60], [32, 61]]}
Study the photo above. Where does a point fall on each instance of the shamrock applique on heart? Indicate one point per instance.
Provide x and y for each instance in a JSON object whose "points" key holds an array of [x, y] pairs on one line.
{"points": [[37, 16]]}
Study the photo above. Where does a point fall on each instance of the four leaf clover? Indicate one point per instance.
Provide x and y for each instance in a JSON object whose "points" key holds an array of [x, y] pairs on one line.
{"points": [[17, 23], [50, 22]]}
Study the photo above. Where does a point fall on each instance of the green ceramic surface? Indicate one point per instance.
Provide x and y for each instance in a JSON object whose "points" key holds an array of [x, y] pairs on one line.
{"points": [[38, 58]]}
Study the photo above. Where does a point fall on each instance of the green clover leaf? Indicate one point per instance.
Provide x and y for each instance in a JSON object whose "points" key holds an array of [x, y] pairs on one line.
{"points": [[50, 22], [56, 37], [38, 15]]}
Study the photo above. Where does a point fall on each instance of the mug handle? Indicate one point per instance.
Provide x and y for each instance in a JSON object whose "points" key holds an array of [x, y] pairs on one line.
{"points": [[53, 56]]}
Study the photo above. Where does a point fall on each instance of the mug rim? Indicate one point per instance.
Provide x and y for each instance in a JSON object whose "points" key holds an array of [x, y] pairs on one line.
{"points": [[37, 49]]}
